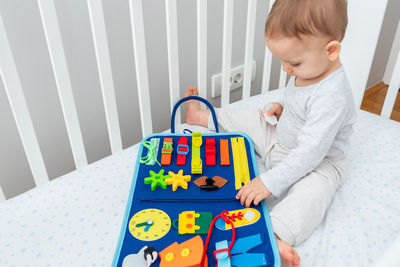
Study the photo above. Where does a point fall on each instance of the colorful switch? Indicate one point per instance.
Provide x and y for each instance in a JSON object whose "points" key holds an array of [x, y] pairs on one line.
{"points": [[210, 152], [197, 164], [224, 151]]}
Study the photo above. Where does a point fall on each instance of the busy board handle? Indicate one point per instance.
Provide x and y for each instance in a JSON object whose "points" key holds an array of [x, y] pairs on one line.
{"points": [[193, 98]]}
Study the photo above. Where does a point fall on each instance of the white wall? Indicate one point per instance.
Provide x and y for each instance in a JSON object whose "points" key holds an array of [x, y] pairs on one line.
{"points": [[25, 32]]}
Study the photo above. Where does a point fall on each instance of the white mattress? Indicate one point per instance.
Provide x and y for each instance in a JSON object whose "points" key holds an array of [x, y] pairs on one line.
{"points": [[75, 220]]}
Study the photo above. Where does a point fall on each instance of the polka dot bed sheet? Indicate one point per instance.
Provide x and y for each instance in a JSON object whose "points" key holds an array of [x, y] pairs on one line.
{"points": [[75, 220]]}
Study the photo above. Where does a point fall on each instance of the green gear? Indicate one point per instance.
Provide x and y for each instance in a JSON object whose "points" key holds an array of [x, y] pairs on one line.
{"points": [[157, 180]]}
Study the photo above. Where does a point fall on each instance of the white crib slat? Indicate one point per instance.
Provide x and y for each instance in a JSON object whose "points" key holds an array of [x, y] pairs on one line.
{"points": [[392, 91], [173, 55], [282, 78], [97, 23], [360, 42], [248, 55], [387, 76], [20, 110], [2, 196], [139, 49], [202, 47], [63, 81], [267, 62], [227, 52], [267, 70]]}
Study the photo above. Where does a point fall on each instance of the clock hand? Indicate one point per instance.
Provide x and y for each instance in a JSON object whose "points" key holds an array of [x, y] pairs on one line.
{"points": [[147, 225]]}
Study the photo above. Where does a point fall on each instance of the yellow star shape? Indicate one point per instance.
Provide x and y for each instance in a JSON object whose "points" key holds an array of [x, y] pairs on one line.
{"points": [[178, 180]]}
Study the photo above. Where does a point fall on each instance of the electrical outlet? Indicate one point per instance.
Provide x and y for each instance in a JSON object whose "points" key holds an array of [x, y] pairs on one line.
{"points": [[236, 79]]}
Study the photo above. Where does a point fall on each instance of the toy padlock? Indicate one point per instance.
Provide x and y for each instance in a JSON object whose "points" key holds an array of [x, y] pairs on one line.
{"points": [[191, 222]]}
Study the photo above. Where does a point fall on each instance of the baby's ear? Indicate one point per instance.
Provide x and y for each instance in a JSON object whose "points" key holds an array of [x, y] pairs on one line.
{"points": [[333, 50]]}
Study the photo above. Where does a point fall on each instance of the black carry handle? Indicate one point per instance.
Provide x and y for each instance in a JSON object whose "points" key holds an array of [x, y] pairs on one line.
{"points": [[193, 98]]}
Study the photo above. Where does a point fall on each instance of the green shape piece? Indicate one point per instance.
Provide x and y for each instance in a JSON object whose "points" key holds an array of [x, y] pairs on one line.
{"points": [[157, 180], [204, 222]]}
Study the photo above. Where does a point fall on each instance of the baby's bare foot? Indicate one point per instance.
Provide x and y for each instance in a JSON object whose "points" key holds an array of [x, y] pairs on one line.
{"points": [[288, 255], [192, 106]]}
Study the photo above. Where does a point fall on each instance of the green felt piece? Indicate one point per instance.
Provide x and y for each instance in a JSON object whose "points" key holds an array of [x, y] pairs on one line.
{"points": [[157, 180], [204, 222]]}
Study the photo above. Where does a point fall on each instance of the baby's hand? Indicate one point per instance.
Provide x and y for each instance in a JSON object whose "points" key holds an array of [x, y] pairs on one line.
{"points": [[276, 109], [253, 191]]}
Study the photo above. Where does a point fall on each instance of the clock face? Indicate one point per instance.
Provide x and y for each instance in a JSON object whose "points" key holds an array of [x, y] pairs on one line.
{"points": [[149, 224]]}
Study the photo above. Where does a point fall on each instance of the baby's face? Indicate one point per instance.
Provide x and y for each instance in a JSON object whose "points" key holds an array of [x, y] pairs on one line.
{"points": [[306, 59]]}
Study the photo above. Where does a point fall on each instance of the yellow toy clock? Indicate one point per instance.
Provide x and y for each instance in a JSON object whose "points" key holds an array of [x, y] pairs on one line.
{"points": [[149, 224]]}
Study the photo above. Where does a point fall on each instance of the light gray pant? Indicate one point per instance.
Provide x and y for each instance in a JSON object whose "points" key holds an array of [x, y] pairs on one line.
{"points": [[298, 211]]}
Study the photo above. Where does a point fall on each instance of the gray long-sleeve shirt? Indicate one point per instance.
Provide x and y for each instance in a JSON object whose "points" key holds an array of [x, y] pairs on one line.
{"points": [[316, 123]]}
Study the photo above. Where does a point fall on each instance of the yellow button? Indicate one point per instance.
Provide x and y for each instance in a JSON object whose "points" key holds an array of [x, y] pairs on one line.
{"points": [[169, 256], [196, 161], [197, 141], [185, 252]]}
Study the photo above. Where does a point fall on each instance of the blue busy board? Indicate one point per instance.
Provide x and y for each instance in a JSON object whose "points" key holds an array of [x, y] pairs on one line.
{"points": [[152, 218], [193, 199]]}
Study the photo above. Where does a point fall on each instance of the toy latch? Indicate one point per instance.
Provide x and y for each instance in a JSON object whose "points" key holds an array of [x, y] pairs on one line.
{"points": [[183, 152]]}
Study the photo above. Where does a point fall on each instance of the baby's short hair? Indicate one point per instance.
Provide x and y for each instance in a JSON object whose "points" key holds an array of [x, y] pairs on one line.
{"points": [[294, 18]]}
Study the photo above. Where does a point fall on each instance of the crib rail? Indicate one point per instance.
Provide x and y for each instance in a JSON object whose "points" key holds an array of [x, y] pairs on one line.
{"points": [[63, 80], [393, 88], [369, 22], [100, 41], [267, 64], [173, 54], [202, 48], [2, 195], [20, 110], [139, 48], [248, 56]]}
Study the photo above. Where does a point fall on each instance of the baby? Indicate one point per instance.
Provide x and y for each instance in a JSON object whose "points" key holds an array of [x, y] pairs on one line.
{"points": [[305, 151]]}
